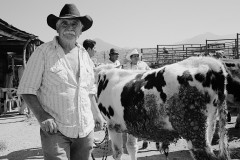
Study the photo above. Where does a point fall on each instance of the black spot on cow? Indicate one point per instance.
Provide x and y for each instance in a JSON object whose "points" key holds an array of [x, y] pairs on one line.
{"points": [[102, 84], [215, 80], [230, 64], [132, 99], [141, 111], [233, 87], [157, 80], [104, 110], [132, 92], [200, 77], [185, 78], [110, 111]]}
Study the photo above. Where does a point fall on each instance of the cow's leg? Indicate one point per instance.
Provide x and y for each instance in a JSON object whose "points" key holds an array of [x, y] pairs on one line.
{"points": [[223, 149], [117, 143], [211, 127], [202, 135], [229, 117], [132, 146]]}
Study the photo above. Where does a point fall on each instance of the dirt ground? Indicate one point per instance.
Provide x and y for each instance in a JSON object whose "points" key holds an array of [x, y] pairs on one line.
{"points": [[20, 140]]}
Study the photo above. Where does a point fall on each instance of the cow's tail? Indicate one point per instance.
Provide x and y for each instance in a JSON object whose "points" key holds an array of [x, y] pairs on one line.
{"points": [[223, 140]]}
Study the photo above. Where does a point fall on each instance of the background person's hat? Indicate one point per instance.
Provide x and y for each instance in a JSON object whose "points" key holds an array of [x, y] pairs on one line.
{"points": [[113, 51], [70, 11], [132, 53]]}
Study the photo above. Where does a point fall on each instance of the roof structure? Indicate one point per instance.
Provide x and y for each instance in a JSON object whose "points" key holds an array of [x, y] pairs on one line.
{"points": [[13, 39]]}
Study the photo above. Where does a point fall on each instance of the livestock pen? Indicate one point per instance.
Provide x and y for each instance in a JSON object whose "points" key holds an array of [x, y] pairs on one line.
{"points": [[167, 54]]}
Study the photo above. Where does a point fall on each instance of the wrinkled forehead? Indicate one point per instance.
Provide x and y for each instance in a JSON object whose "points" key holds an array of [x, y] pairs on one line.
{"points": [[69, 20]]}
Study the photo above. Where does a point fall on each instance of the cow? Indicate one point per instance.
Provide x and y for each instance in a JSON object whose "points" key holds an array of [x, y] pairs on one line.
{"points": [[233, 86], [180, 100]]}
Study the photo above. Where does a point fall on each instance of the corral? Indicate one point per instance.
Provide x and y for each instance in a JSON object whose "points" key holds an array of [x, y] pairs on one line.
{"points": [[167, 54]]}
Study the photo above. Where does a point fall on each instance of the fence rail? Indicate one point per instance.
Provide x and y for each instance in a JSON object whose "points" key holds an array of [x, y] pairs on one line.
{"points": [[167, 54]]}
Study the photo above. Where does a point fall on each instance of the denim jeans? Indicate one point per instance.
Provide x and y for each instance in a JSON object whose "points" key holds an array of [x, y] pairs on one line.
{"points": [[56, 146]]}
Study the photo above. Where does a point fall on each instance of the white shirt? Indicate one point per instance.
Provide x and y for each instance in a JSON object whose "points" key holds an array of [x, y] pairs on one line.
{"points": [[49, 76], [116, 63]]}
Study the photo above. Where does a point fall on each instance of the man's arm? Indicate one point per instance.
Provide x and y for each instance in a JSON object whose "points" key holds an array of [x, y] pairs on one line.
{"points": [[99, 121], [46, 121]]}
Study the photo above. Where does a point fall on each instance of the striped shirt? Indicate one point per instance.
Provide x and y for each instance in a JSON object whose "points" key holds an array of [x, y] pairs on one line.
{"points": [[49, 76], [93, 88]]}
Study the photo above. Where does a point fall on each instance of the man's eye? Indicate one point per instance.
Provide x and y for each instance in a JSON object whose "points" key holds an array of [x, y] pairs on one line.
{"points": [[75, 24], [64, 24]]}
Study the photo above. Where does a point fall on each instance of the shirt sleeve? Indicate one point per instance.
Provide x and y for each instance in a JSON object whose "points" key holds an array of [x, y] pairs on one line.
{"points": [[92, 89], [32, 75]]}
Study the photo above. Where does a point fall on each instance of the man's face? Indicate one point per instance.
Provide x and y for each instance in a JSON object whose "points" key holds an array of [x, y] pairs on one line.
{"points": [[135, 58], [92, 51], [113, 57], [69, 29]]}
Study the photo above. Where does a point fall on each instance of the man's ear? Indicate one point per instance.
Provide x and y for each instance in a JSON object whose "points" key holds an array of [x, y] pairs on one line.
{"points": [[89, 49]]}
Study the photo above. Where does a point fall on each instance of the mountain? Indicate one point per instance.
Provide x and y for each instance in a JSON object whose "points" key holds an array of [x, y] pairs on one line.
{"points": [[104, 46], [201, 39]]}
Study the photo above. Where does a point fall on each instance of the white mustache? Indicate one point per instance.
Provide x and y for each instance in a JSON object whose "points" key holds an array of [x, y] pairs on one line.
{"points": [[69, 32]]}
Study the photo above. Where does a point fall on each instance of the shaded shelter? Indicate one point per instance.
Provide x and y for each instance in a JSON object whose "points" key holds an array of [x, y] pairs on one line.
{"points": [[16, 46]]}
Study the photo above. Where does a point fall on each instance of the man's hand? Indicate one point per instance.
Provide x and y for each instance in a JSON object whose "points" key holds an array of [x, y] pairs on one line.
{"points": [[46, 121], [49, 125], [99, 122]]}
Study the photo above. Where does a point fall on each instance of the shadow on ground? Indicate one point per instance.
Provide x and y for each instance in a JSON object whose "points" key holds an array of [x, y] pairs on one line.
{"points": [[177, 155], [26, 154]]}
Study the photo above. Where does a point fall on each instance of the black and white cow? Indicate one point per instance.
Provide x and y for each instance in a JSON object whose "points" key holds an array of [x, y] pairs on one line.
{"points": [[183, 99]]}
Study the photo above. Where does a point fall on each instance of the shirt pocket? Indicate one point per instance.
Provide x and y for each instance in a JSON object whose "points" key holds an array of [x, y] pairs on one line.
{"points": [[56, 75]]}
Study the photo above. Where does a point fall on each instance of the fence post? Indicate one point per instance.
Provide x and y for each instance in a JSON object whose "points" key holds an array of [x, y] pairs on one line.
{"points": [[237, 49], [206, 51]]}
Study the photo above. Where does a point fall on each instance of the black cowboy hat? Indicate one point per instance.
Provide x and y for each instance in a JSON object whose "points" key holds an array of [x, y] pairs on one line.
{"points": [[113, 51], [70, 11]]}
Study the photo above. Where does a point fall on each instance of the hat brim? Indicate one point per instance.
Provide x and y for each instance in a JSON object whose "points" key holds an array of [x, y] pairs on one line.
{"points": [[85, 20], [129, 55], [113, 53]]}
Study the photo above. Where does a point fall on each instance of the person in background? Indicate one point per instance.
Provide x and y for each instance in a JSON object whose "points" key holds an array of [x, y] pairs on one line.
{"points": [[90, 46], [134, 61], [113, 57], [56, 84]]}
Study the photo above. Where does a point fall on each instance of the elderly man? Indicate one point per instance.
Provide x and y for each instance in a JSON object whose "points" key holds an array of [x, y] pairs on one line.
{"points": [[56, 84]]}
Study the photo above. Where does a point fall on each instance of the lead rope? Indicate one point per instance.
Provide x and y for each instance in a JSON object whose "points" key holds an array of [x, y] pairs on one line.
{"points": [[105, 147]]}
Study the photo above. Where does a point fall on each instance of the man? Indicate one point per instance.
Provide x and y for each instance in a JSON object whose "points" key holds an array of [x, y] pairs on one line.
{"points": [[113, 57], [56, 84], [90, 46], [134, 61]]}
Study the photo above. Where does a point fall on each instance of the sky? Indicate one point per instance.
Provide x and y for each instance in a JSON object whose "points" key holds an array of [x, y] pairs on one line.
{"points": [[130, 23]]}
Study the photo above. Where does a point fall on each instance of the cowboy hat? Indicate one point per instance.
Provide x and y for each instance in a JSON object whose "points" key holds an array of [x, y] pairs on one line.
{"points": [[70, 11], [113, 51], [128, 56]]}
